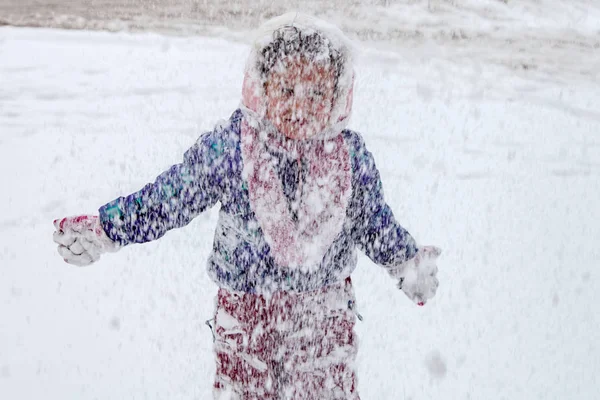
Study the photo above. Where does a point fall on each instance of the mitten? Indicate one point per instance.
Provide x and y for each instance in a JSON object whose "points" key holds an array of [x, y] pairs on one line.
{"points": [[81, 240], [418, 276]]}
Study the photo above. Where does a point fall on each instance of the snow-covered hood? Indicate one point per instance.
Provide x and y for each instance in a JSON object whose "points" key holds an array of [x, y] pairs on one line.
{"points": [[253, 96]]}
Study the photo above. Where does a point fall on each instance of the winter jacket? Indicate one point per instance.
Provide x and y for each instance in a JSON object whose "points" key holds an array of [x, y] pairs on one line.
{"points": [[241, 258]]}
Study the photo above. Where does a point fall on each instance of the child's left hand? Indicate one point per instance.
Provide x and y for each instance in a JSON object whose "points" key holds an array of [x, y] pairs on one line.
{"points": [[419, 276]]}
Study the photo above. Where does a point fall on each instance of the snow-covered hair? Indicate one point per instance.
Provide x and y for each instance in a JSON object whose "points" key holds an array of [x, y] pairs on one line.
{"points": [[289, 41], [316, 40]]}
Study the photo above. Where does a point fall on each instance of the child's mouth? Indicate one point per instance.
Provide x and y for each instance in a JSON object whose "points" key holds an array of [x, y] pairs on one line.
{"points": [[297, 122]]}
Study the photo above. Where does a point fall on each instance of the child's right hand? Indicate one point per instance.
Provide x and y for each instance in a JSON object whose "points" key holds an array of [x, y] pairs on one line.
{"points": [[81, 240]]}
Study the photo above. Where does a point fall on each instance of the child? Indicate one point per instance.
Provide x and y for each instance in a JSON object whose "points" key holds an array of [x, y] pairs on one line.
{"points": [[298, 194]]}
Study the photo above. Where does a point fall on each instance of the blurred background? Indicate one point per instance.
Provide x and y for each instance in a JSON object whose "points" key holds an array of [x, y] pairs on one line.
{"points": [[367, 19], [525, 34], [169, 15]]}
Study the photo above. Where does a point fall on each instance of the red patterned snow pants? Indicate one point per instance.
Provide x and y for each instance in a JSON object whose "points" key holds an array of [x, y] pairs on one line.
{"points": [[286, 346]]}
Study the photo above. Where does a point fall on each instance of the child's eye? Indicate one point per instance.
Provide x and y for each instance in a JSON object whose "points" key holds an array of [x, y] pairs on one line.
{"points": [[287, 91]]}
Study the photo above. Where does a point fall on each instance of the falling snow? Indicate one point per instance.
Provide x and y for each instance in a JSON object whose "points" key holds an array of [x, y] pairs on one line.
{"points": [[482, 135]]}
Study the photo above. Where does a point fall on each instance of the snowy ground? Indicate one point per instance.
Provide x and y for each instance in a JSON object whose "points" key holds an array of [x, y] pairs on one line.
{"points": [[498, 165]]}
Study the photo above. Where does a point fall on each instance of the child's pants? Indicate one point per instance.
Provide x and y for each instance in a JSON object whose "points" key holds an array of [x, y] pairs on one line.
{"points": [[286, 346]]}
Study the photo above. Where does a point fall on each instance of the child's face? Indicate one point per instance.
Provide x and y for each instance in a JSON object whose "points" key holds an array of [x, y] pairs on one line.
{"points": [[300, 97]]}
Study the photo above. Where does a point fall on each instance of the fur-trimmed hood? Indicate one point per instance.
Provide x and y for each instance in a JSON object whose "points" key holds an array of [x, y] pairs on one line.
{"points": [[253, 96]]}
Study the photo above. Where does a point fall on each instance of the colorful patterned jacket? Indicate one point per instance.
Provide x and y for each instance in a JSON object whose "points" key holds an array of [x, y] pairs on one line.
{"points": [[241, 258]]}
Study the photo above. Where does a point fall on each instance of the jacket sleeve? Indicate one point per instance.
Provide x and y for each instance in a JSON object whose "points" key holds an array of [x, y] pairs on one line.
{"points": [[375, 230], [173, 200]]}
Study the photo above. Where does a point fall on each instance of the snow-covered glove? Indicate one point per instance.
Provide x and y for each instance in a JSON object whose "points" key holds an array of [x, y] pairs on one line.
{"points": [[81, 240], [418, 277]]}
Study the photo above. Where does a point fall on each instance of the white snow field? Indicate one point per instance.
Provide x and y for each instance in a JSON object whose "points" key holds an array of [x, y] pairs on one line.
{"points": [[489, 152]]}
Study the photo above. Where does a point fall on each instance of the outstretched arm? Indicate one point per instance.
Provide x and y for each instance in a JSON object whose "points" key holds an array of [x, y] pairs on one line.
{"points": [[171, 201], [375, 230], [377, 233]]}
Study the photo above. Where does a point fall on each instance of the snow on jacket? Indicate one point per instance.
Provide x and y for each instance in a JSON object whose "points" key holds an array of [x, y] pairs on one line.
{"points": [[211, 172], [292, 210]]}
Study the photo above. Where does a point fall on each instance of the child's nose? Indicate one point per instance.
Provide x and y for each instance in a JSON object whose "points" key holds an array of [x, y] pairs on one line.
{"points": [[302, 104], [301, 99], [297, 108]]}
